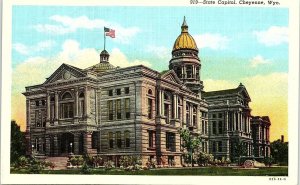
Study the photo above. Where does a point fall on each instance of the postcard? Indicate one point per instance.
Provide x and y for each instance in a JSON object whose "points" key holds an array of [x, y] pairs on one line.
{"points": [[188, 92]]}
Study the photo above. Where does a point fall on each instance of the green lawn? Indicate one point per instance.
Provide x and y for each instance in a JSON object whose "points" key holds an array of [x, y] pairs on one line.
{"points": [[208, 171]]}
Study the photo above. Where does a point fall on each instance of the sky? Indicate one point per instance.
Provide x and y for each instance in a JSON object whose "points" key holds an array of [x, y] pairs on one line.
{"points": [[237, 44]]}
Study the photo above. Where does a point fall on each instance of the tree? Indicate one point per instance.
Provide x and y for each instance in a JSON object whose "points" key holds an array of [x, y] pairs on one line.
{"points": [[190, 142], [17, 142], [239, 149], [279, 151]]}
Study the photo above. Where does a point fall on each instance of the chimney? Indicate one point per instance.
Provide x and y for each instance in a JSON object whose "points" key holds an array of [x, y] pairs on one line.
{"points": [[282, 138]]}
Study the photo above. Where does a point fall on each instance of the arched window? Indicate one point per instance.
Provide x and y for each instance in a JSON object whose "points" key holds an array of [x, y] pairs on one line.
{"points": [[150, 91], [66, 95], [127, 138], [81, 95]]}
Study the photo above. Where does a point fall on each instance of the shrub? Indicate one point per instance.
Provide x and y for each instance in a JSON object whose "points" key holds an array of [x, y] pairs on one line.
{"points": [[109, 165], [85, 169], [97, 160], [21, 162], [268, 161], [131, 162], [203, 159]]}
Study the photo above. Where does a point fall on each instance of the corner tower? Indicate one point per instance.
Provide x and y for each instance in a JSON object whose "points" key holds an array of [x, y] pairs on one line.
{"points": [[185, 61]]}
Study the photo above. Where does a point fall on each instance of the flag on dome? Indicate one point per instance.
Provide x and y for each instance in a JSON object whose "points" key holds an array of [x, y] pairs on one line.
{"points": [[109, 32]]}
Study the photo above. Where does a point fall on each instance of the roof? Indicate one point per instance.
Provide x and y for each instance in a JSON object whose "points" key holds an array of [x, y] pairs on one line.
{"points": [[185, 40], [239, 89]]}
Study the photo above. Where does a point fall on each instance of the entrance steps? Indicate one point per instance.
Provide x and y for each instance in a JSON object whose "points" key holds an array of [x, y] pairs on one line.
{"points": [[60, 163]]}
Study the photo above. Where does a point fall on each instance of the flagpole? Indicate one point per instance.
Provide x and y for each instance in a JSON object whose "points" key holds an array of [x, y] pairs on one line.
{"points": [[104, 37]]}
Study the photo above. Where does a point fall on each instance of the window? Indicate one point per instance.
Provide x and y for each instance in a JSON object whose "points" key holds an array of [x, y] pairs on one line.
{"points": [[81, 108], [214, 127], [179, 113], [36, 118], [37, 103], [203, 123], [220, 115], [151, 138], [111, 139], [66, 95], [203, 147], [149, 108], [43, 102], [118, 109], [219, 146], [127, 138], [118, 91], [189, 71], [110, 92], [126, 90], [52, 112], [220, 127], [127, 108], [214, 146], [214, 116], [205, 127], [110, 110], [67, 110], [94, 140], [150, 91], [194, 120], [118, 139], [52, 98], [170, 141]]}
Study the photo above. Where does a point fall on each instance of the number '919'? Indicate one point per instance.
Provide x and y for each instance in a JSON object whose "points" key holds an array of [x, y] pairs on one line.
{"points": [[193, 1]]}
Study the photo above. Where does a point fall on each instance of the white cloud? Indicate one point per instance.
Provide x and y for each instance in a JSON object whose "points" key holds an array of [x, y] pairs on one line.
{"points": [[118, 58], [65, 24], [274, 36], [258, 60], [35, 70], [215, 85], [161, 52], [212, 41], [27, 50]]}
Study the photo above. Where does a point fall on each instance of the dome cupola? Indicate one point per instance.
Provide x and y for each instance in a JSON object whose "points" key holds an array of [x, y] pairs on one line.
{"points": [[185, 40]]}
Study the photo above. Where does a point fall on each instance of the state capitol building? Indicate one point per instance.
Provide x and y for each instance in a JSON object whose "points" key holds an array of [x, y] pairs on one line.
{"points": [[111, 111]]}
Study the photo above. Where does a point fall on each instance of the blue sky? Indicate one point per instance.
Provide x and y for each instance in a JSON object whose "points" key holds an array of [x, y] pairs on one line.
{"points": [[159, 27], [237, 44]]}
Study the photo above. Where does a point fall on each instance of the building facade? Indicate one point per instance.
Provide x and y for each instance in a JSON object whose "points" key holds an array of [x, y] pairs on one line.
{"points": [[136, 110], [261, 136]]}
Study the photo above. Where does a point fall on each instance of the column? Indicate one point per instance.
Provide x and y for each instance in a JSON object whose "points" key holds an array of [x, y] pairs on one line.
{"points": [[198, 120], [159, 103], [87, 142], [162, 102], [191, 114], [226, 121], [86, 102], [184, 110], [76, 143], [234, 120], [48, 106], [76, 103], [174, 106], [56, 106]]}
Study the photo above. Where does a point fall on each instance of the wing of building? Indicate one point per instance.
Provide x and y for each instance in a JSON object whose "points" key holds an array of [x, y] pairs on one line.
{"points": [[112, 111]]}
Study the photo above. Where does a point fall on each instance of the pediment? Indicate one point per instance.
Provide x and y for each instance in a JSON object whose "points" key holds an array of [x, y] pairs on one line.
{"points": [[243, 91], [65, 72], [171, 77]]}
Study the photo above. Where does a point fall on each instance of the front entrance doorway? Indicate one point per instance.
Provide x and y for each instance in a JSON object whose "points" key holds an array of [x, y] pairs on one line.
{"points": [[66, 143]]}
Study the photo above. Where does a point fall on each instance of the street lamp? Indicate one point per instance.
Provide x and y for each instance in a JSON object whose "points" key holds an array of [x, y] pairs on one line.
{"points": [[32, 146], [71, 148]]}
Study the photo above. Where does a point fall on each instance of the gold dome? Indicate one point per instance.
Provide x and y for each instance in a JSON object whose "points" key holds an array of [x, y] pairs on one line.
{"points": [[185, 40]]}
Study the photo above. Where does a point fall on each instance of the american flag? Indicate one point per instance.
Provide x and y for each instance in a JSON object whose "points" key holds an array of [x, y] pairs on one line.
{"points": [[109, 32]]}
